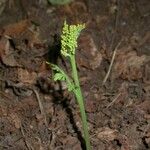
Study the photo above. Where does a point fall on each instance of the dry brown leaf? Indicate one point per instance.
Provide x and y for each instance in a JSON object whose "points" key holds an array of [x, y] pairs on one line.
{"points": [[26, 77], [71, 142], [129, 65], [6, 53], [14, 118], [3, 45], [9, 60], [144, 106], [90, 106], [90, 57], [22, 29], [107, 134], [14, 30]]}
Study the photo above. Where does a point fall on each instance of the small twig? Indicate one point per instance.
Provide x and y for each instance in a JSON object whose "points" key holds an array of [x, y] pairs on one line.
{"points": [[40, 106], [29, 147], [112, 61], [114, 100], [112, 42], [115, 26]]}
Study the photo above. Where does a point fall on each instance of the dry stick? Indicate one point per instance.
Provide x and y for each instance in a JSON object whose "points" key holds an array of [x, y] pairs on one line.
{"points": [[114, 100], [41, 106], [116, 25], [112, 61], [29, 147], [111, 45]]}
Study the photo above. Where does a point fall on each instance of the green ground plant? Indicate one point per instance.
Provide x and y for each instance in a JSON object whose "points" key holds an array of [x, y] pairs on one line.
{"points": [[70, 34], [59, 2]]}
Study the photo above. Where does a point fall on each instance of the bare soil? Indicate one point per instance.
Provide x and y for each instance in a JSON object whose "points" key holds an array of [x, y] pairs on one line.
{"points": [[113, 59]]}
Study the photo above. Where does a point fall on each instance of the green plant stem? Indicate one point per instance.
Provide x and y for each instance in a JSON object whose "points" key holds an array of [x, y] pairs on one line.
{"points": [[80, 101]]}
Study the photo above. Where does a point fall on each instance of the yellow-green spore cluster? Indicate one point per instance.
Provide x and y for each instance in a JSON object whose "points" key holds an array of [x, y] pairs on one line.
{"points": [[69, 38]]}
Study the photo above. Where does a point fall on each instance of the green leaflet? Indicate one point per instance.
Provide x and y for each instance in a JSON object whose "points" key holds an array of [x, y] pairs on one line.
{"points": [[59, 76], [59, 2]]}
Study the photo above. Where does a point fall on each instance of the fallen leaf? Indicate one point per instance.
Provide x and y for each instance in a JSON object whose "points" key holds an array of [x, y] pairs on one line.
{"points": [[90, 106], [71, 142], [90, 57], [23, 30], [14, 30], [3, 45], [14, 118], [107, 134], [7, 54], [144, 106], [128, 65], [26, 77]]}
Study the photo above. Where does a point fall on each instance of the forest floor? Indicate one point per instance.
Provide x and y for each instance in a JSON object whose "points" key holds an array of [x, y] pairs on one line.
{"points": [[113, 59]]}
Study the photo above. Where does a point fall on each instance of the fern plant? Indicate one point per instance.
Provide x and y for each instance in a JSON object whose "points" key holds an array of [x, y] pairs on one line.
{"points": [[69, 38]]}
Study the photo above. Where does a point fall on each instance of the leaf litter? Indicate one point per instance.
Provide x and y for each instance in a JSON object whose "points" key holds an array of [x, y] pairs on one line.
{"points": [[118, 111]]}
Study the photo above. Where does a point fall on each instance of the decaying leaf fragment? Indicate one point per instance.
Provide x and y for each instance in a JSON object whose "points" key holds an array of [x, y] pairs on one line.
{"points": [[128, 65], [6, 53]]}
